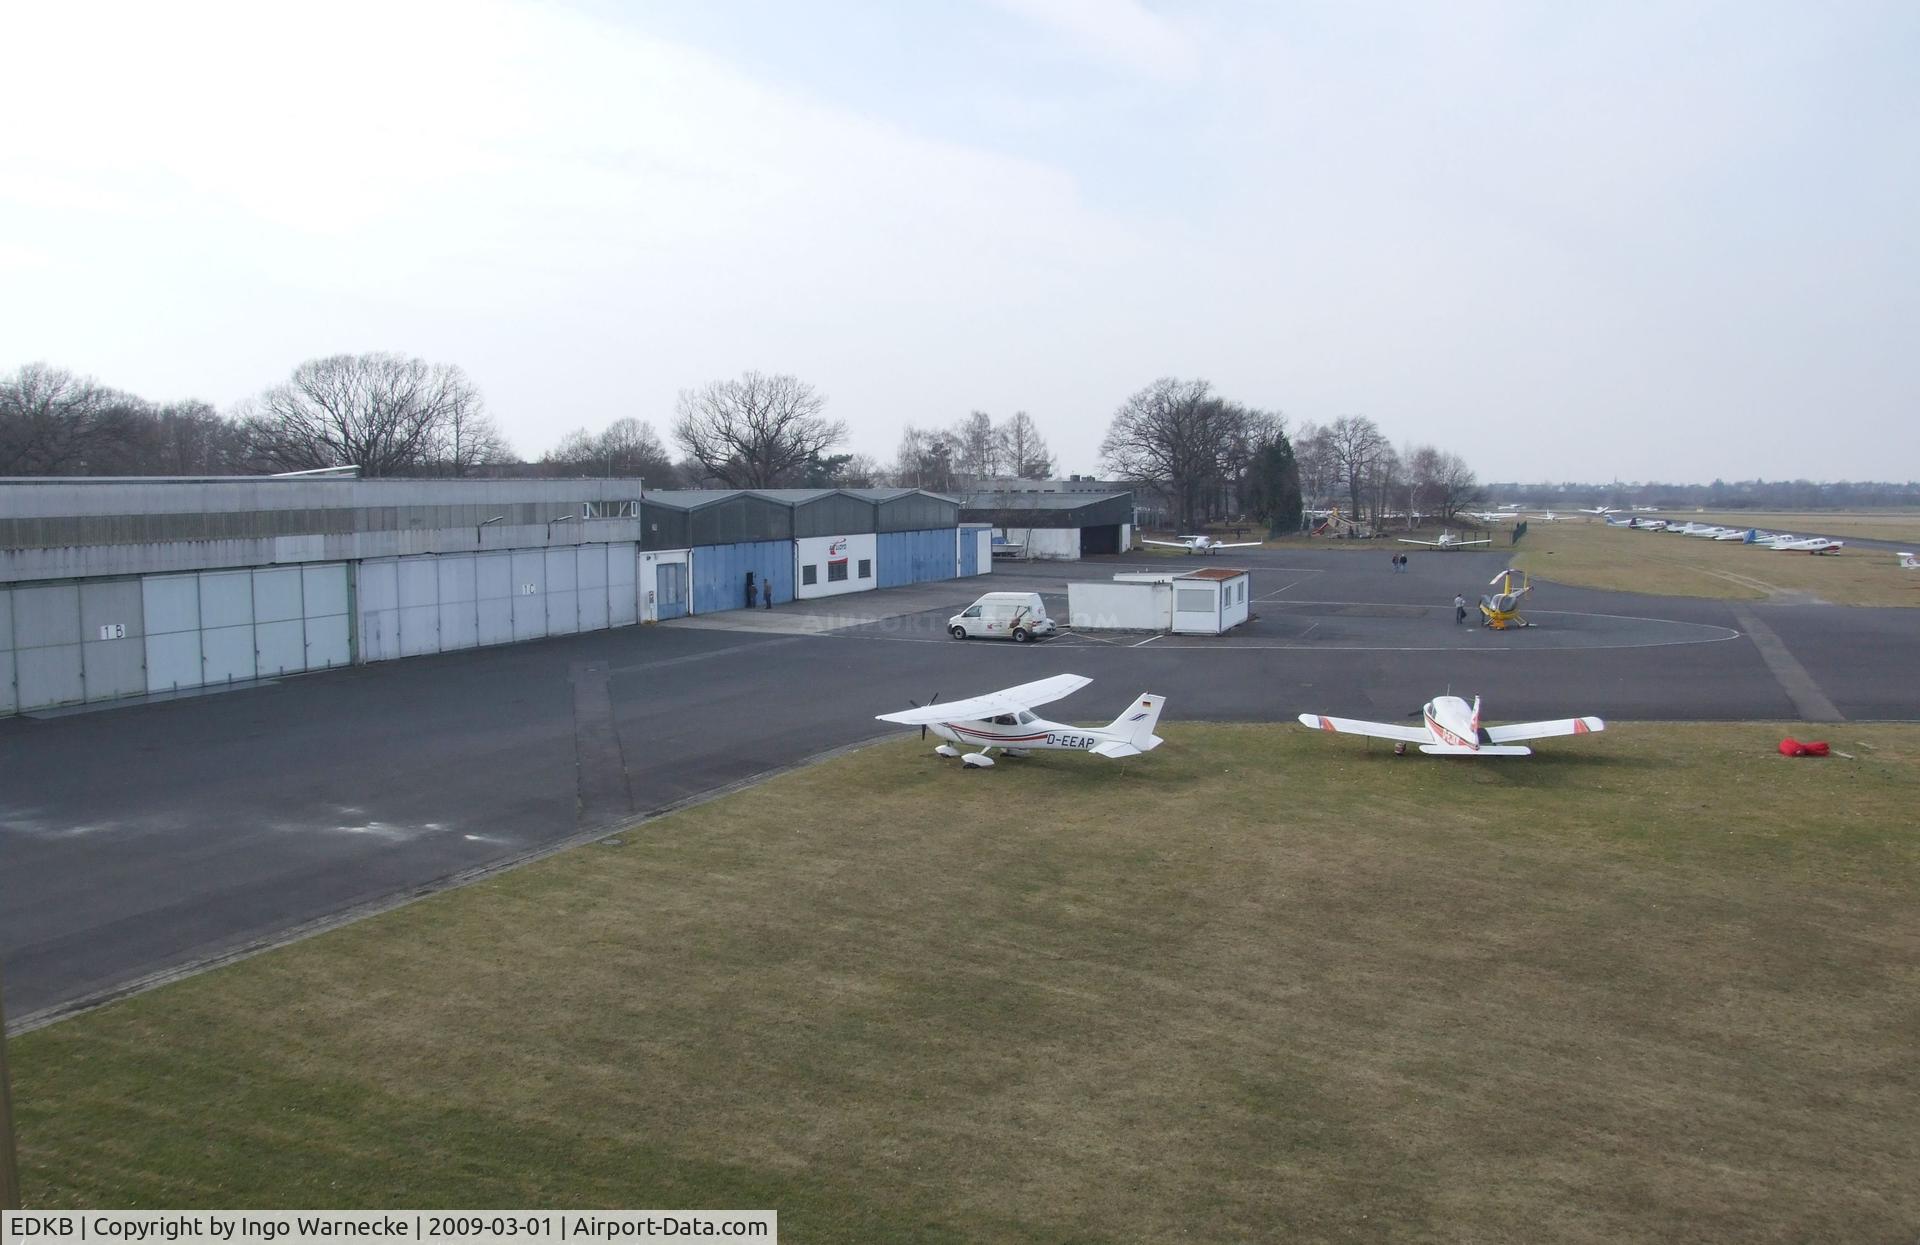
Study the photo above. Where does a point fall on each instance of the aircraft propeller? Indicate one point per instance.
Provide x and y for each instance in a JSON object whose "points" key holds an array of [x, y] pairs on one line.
{"points": [[931, 702]]}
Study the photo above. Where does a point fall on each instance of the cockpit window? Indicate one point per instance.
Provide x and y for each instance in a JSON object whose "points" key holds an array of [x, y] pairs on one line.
{"points": [[1005, 719], [1023, 717]]}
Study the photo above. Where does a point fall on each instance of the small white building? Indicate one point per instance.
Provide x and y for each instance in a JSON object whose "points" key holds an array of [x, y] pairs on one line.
{"points": [[1210, 601]]}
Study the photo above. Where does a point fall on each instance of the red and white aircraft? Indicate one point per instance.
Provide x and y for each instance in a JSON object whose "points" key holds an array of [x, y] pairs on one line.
{"points": [[1451, 728], [1200, 544], [1808, 544], [1004, 720], [1447, 541]]}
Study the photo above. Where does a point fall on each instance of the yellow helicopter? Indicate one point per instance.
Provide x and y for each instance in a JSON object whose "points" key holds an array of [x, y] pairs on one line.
{"points": [[1501, 609]]}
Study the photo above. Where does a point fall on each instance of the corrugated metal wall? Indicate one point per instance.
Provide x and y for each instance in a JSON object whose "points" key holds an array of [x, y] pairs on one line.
{"points": [[969, 547], [916, 557], [720, 573], [439, 603], [835, 514]]}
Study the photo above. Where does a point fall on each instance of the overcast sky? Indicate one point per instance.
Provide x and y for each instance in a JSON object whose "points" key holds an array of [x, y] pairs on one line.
{"points": [[1641, 240]]}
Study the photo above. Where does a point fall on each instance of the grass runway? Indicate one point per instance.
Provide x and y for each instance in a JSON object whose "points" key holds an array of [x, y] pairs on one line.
{"points": [[1655, 984]]}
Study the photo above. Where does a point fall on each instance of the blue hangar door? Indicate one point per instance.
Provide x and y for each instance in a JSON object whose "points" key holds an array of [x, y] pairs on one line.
{"points": [[915, 557], [720, 573]]}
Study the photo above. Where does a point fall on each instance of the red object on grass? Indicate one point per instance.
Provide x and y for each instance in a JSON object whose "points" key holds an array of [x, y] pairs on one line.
{"points": [[1812, 748]]}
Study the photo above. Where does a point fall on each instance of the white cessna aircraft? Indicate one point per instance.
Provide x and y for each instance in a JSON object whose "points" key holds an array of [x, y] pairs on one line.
{"points": [[1004, 720], [1808, 544], [1451, 728], [1447, 541], [1200, 544]]}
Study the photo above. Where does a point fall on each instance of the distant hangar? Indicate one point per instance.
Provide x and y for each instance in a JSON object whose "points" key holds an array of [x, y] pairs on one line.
{"points": [[124, 587], [1055, 524]]}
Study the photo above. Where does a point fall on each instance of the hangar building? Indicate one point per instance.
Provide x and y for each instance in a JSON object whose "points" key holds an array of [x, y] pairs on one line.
{"points": [[1064, 525], [113, 587]]}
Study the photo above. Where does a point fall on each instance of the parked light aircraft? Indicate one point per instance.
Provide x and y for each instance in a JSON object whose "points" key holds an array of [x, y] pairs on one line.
{"points": [[1545, 517], [1492, 516], [1451, 727], [1004, 720], [1201, 544], [1447, 541], [1909, 563], [1602, 511], [1810, 544]]}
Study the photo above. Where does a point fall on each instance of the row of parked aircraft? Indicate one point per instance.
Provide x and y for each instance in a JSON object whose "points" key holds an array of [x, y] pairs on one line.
{"points": [[1746, 535], [1004, 721]]}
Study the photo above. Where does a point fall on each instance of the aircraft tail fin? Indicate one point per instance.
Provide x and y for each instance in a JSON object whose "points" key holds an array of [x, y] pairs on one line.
{"points": [[1476, 717], [1135, 726]]}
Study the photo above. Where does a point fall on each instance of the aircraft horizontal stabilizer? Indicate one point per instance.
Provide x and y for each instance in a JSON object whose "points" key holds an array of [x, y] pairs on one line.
{"points": [[1114, 748], [1485, 750]]}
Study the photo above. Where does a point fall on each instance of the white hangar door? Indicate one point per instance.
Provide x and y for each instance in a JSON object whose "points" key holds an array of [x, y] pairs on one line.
{"points": [[223, 626], [9, 701], [563, 599], [623, 585]]}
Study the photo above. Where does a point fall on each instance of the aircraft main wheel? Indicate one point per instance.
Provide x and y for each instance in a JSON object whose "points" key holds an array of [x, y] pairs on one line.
{"points": [[957, 632], [1020, 635]]}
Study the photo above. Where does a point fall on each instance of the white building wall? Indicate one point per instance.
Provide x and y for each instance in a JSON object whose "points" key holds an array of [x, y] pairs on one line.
{"points": [[1061, 543], [819, 552], [984, 535], [1233, 604], [1196, 606], [1120, 606]]}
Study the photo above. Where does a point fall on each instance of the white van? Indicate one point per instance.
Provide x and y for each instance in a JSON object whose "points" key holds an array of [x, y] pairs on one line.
{"points": [[1016, 616]]}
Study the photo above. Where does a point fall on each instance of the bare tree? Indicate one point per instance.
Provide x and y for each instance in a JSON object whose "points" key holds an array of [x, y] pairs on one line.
{"points": [[53, 422], [1178, 437], [859, 471], [1023, 451], [976, 447], [1353, 446], [756, 432], [468, 443], [383, 412], [628, 448], [925, 460]]}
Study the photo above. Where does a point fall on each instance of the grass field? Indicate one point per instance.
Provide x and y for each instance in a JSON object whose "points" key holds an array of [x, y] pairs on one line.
{"points": [[1259, 985], [1598, 556]]}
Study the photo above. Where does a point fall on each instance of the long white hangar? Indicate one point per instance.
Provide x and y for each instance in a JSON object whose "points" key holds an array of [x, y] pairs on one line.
{"points": [[112, 588]]}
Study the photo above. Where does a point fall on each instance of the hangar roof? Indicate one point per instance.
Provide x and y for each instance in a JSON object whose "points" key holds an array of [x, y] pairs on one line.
{"points": [[1048, 509]]}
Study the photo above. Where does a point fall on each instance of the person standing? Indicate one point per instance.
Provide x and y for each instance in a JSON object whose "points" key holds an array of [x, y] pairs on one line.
{"points": [[1459, 609], [766, 593], [749, 589]]}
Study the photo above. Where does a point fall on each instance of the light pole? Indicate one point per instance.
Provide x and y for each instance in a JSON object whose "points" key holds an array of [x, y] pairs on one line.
{"points": [[560, 518], [485, 523]]}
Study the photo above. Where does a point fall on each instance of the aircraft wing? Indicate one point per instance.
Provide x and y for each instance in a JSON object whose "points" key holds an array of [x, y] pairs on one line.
{"points": [[1008, 700], [1165, 544], [1379, 730], [1432, 544], [1540, 730], [1462, 544], [1245, 544]]}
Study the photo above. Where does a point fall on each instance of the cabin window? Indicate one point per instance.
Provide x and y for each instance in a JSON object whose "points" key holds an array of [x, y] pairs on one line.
{"points": [[1023, 717], [1005, 719]]}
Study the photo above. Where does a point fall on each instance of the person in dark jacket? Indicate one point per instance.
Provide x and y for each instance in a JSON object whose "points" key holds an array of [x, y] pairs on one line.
{"points": [[749, 589]]}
